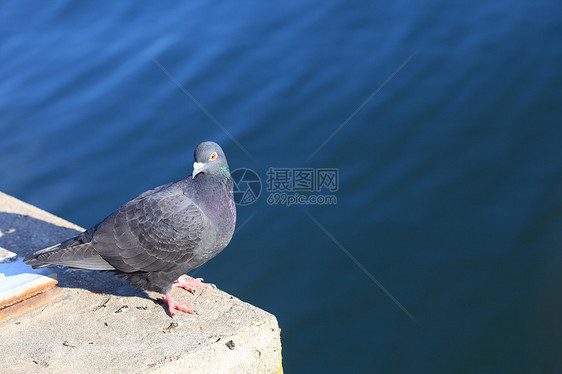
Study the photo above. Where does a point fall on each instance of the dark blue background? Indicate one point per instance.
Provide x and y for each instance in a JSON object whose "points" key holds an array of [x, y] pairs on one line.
{"points": [[450, 167]]}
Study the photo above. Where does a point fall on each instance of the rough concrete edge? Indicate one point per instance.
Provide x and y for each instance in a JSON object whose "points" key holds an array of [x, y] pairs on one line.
{"points": [[242, 352], [268, 337]]}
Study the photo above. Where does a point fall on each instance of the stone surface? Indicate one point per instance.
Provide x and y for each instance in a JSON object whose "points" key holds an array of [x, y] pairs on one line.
{"points": [[101, 324]]}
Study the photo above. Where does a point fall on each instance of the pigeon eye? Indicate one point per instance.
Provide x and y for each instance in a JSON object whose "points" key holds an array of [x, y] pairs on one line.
{"points": [[213, 156]]}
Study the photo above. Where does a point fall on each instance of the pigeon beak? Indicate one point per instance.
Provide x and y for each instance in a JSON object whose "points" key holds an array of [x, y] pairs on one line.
{"points": [[197, 166]]}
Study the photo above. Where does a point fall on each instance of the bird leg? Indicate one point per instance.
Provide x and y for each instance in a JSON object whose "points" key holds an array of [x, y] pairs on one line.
{"points": [[172, 304], [190, 284]]}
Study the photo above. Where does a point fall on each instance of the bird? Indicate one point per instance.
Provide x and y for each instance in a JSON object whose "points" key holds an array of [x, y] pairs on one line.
{"points": [[156, 238]]}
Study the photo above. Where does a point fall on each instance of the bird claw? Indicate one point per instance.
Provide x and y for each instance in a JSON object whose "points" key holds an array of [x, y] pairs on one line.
{"points": [[184, 308], [181, 306], [191, 284]]}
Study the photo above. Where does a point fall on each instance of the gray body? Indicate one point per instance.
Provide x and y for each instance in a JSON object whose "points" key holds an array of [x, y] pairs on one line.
{"points": [[161, 234]]}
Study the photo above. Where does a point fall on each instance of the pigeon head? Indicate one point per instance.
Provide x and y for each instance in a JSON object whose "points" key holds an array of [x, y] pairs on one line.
{"points": [[209, 159]]}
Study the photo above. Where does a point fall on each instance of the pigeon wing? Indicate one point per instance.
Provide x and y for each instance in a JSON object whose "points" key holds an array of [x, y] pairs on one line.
{"points": [[154, 232]]}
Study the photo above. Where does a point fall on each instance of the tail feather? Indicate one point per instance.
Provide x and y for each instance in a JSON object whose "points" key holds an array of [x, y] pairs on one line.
{"points": [[81, 256]]}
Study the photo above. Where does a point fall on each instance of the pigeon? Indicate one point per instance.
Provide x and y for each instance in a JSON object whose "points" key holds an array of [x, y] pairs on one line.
{"points": [[163, 233]]}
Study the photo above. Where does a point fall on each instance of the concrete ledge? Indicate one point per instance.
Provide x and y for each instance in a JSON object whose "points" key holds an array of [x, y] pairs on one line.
{"points": [[101, 324]]}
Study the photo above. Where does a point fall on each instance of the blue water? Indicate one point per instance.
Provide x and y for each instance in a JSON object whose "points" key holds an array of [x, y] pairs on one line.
{"points": [[443, 252]]}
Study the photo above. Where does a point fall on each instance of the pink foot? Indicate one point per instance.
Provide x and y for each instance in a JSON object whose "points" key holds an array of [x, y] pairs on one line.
{"points": [[172, 304], [190, 284]]}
